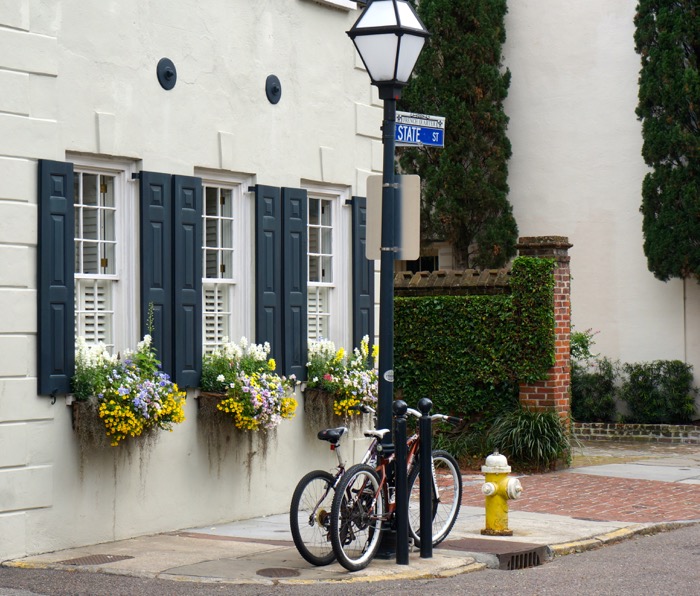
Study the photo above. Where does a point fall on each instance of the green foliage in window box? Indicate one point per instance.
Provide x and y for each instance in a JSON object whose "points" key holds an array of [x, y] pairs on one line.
{"points": [[467, 352], [530, 439], [659, 392]]}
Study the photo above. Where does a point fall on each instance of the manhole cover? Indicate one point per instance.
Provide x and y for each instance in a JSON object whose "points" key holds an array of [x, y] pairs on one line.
{"points": [[95, 560], [278, 572]]}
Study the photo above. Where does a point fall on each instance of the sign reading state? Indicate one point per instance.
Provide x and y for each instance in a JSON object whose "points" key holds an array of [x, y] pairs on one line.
{"points": [[419, 129]]}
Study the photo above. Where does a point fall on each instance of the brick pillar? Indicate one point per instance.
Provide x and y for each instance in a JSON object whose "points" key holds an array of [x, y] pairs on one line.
{"points": [[553, 393]]}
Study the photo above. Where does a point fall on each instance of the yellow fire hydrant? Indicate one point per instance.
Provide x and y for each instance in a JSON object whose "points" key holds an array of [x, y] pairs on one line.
{"points": [[498, 489]]}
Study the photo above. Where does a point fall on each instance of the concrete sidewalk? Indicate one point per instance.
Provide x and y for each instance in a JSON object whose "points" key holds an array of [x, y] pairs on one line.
{"points": [[614, 491]]}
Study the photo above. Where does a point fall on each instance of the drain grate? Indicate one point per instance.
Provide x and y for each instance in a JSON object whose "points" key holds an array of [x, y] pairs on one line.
{"points": [[278, 572], [510, 555], [521, 560], [95, 560]]}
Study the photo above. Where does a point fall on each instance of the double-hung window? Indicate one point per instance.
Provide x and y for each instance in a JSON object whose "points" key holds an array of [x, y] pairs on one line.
{"points": [[223, 294], [105, 235], [329, 262]]}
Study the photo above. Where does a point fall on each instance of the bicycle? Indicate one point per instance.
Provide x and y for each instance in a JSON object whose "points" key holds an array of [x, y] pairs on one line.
{"points": [[364, 501], [309, 514]]}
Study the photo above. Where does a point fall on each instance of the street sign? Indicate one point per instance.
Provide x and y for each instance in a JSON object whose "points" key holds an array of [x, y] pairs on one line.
{"points": [[419, 129]]}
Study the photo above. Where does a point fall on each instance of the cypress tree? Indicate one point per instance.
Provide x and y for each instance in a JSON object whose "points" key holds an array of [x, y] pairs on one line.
{"points": [[667, 37], [460, 76]]}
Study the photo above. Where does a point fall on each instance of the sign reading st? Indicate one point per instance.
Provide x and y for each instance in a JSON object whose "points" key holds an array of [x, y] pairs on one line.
{"points": [[419, 129]]}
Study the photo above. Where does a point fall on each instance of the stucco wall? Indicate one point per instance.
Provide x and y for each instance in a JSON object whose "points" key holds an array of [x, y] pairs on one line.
{"points": [[80, 78], [577, 171]]}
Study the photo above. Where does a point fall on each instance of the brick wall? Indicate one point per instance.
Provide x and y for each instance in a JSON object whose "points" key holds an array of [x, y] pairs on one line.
{"points": [[554, 392], [657, 433]]}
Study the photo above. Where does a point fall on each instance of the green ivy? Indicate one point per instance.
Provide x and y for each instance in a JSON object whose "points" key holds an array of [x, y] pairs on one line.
{"points": [[466, 353]]}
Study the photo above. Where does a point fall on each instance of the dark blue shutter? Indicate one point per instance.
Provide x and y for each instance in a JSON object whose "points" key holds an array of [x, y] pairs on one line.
{"points": [[156, 262], [268, 270], [294, 276], [187, 280], [362, 276], [56, 316]]}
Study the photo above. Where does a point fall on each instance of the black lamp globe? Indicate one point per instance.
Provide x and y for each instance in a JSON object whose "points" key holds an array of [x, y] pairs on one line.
{"points": [[389, 37]]}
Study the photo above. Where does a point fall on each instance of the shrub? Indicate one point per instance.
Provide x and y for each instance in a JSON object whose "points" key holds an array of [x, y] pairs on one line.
{"points": [[593, 390], [659, 392], [529, 438]]}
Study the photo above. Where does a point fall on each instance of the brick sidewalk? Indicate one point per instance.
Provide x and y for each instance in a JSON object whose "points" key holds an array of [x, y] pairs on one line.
{"points": [[598, 498]]}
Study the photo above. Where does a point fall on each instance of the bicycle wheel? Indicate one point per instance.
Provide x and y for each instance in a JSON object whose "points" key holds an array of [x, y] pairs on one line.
{"points": [[447, 501], [310, 516], [356, 517]]}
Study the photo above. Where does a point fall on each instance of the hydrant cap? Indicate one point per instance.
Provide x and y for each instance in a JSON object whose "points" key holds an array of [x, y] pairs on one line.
{"points": [[496, 463]]}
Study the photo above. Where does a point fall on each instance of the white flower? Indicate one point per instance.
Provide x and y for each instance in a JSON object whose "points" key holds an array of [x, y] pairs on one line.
{"points": [[220, 378]]}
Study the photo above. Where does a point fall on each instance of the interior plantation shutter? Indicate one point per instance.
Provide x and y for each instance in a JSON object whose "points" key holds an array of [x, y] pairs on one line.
{"points": [[294, 276], [156, 262], [55, 317], [187, 280], [362, 276], [268, 270]]}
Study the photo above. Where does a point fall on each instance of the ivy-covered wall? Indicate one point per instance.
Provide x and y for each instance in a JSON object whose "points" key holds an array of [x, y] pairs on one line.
{"points": [[465, 352]]}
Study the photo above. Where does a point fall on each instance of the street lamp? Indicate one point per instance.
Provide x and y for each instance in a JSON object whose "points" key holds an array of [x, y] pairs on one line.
{"points": [[389, 37]]}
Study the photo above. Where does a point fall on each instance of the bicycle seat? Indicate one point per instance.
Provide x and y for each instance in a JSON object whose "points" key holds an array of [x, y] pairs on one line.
{"points": [[379, 433], [332, 435]]}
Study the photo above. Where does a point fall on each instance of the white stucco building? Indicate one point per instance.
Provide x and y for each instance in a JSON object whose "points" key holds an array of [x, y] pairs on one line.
{"points": [[577, 171], [81, 102]]}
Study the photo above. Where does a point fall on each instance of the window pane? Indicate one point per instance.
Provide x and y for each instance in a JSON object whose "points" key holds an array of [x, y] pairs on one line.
{"points": [[89, 188], [327, 269], [314, 269], [327, 245], [326, 213], [314, 211]]}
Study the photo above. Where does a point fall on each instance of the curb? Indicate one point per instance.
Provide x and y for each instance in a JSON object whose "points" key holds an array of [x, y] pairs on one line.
{"points": [[579, 546]]}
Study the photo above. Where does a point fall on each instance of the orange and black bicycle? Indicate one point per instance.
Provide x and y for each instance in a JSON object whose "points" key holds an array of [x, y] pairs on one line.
{"points": [[364, 502]]}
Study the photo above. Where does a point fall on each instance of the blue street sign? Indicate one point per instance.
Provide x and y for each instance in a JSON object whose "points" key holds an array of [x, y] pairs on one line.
{"points": [[419, 129]]}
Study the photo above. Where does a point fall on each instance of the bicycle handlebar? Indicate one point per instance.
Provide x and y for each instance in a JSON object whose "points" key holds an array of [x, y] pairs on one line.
{"points": [[453, 420], [364, 408], [367, 409]]}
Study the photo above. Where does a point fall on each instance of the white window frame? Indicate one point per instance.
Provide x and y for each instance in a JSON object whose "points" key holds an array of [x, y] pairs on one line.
{"points": [[125, 297], [340, 289], [241, 279]]}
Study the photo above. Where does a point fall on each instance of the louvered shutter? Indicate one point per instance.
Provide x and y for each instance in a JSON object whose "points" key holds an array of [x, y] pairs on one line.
{"points": [[216, 301], [362, 276], [55, 317], [187, 280], [294, 274], [156, 262], [268, 270]]}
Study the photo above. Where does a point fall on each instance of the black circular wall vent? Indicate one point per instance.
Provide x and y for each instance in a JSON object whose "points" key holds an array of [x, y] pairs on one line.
{"points": [[273, 89], [167, 74]]}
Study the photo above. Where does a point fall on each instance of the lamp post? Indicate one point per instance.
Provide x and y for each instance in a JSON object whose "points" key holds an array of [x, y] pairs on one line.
{"points": [[389, 37]]}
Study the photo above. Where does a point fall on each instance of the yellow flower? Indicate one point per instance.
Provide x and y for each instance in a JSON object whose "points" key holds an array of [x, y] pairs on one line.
{"points": [[271, 364]]}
